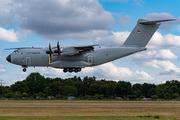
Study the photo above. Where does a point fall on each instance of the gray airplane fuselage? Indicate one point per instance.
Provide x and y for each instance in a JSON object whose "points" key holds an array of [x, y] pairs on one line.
{"points": [[37, 57]]}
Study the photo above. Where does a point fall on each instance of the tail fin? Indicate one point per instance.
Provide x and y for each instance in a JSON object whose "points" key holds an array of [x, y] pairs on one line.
{"points": [[143, 32]]}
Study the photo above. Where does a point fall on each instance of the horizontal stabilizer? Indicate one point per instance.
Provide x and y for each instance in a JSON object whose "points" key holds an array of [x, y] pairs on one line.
{"points": [[154, 22]]}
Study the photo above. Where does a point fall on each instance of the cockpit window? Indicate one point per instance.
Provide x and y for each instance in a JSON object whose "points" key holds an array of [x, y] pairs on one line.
{"points": [[16, 52]]}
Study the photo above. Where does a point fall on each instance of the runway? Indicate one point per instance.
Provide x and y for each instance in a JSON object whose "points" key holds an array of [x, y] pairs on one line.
{"points": [[92, 106]]}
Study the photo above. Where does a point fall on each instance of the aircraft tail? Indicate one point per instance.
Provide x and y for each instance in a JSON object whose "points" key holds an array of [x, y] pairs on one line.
{"points": [[143, 32]]}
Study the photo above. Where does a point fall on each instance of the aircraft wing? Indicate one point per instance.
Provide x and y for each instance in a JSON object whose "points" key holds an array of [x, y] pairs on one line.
{"points": [[88, 47], [77, 49]]}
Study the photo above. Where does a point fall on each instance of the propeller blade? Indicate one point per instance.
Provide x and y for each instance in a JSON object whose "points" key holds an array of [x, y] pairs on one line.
{"points": [[50, 53], [58, 46], [50, 48], [58, 51]]}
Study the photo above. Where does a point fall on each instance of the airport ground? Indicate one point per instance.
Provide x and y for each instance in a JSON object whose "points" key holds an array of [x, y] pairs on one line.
{"points": [[75, 110]]}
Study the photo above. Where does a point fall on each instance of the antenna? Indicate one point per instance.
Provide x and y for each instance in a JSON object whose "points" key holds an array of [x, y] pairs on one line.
{"points": [[2, 83]]}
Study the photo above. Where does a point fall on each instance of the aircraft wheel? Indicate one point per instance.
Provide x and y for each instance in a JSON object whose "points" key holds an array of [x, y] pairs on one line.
{"points": [[64, 70], [76, 70], [70, 70], [24, 70], [79, 69]]}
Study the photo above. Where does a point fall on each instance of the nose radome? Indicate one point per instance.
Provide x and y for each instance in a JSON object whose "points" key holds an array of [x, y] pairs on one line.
{"points": [[8, 58]]}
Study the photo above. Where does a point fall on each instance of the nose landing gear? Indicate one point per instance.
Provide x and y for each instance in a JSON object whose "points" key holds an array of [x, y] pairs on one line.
{"points": [[24, 68]]}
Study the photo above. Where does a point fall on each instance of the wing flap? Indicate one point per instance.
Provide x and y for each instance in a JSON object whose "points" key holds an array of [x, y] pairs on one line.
{"points": [[91, 47]]}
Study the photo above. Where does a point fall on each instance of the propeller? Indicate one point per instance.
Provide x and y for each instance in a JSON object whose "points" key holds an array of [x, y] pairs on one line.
{"points": [[58, 51], [49, 52]]}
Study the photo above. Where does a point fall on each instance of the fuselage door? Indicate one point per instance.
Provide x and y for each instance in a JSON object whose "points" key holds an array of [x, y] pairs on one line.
{"points": [[90, 59], [28, 61]]}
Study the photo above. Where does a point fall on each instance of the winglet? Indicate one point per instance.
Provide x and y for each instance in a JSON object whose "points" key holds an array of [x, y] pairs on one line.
{"points": [[153, 22]]}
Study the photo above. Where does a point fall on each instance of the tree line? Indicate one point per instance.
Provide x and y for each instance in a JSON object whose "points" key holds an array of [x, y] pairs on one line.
{"points": [[88, 88]]}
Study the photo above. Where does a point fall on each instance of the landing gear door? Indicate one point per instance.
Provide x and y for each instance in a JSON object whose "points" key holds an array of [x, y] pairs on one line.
{"points": [[90, 59], [28, 61]]}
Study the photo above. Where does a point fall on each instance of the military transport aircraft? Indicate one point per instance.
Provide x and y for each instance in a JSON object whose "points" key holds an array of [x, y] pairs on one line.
{"points": [[74, 58]]}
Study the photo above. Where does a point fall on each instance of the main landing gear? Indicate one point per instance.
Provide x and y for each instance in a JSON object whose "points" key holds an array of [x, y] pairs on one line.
{"points": [[71, 70]]}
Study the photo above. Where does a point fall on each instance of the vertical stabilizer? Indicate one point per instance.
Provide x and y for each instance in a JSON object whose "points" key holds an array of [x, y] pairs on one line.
{"points": [[143, 32]]}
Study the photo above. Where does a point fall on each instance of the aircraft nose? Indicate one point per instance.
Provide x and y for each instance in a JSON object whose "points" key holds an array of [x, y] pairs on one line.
{"points": [[8, 58]]}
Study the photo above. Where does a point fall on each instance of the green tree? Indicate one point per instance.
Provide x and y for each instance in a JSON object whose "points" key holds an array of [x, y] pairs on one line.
{"points": [[111, 90], [152, 91], [35, 83], [103, 90], [94, 88], [87, 81], [69, 82], [48, 91], [174, 89], [79, 86], [147, 89], [7, 93], [57, 88], [2, 88], [87, 96], [96, 96], [41, 94], [167, 96], [159, 91], [101, 96], [141, 97], [69, 91], [168, 92], [19, 86], [131, 97], [17, 95], [123, 88], [138, 93], [25, 94], [137, 86], [154, 97], [175, 95]]}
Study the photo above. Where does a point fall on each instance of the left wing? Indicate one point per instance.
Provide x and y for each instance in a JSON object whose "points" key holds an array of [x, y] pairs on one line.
{"points": [[84, 48], [77, 49]]}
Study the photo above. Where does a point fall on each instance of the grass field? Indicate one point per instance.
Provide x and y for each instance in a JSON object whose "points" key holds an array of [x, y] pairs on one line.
{"points": [[87, 102], [76, 113]]}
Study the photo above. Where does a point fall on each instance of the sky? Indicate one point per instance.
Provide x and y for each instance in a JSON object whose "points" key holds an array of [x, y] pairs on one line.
{"points": [[86, 22]]}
